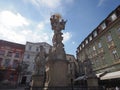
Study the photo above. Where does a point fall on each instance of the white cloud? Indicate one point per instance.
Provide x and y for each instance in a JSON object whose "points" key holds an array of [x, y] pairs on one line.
{"points": [[46, 3], [66, 36], [100, 2], [16, 28], [9, 19]]}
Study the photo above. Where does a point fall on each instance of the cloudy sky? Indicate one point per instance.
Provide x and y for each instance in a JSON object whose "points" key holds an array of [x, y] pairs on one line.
{"points": [[28, 20]]}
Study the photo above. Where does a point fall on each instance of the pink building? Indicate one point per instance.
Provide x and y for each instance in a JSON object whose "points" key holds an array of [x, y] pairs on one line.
{"points": [[11, 55]]}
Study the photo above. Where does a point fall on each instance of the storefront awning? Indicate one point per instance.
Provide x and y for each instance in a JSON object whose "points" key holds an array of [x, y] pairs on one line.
{"points": [[111, 75]]}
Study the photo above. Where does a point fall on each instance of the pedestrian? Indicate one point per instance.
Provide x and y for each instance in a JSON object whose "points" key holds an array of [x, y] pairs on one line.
{"points": [[116, 88]]}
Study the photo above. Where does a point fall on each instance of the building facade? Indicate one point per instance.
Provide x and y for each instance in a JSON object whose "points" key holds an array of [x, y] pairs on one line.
{"points": [[72, 68], [102, 46], [31, 50], [11, 55]]}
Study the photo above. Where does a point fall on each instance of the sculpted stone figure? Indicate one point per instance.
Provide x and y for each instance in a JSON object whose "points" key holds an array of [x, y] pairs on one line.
{"points": [[58, 25], [40, 62]]}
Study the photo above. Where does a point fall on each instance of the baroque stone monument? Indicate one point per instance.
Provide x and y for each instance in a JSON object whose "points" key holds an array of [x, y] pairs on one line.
{"points": [[92, 80], [38, 77], [57, 65]]}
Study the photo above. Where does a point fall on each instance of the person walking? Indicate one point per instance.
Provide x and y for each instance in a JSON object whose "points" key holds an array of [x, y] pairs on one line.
{"points": [[116, 88]]}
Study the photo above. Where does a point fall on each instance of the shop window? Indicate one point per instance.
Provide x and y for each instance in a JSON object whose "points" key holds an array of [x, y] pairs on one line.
{"points": [[2, 52]]}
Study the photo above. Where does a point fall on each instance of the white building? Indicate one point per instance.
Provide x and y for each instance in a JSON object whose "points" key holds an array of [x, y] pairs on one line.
{"points": [[31, 50]]}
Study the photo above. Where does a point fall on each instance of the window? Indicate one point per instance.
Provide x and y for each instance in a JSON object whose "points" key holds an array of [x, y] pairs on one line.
{"points": [[83, 45], [15, 64], [114, 53], [95, 33], [94, 48], [37, 49], [103, 60], [118, 32], [1, 61], [90, 38], [17, 54], [9, 54], [28, 56], [80, 47], [86, 41], [99, 45], [111, 44], [113, 17], [7, 62], [2, 52], [30, 47], [103, 25], [109, 37]]}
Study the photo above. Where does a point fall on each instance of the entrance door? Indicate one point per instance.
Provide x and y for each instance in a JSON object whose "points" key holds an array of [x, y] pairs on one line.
{"points": [[23, 80]]}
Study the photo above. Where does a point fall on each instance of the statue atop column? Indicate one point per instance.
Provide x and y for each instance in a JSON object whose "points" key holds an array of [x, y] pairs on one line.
{"points": [[88, 67], [58, 24], [40, 62]]}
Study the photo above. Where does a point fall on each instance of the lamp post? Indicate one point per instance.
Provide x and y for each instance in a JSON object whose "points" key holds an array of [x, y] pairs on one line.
{"points": [[71, 70]]}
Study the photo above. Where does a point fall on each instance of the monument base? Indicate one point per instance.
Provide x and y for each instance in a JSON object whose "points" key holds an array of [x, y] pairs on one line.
{"points": [[57, 73], [37, 82], [92, 83]]}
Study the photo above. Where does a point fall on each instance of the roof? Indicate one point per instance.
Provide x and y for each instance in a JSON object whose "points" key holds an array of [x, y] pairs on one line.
{"points": [[12, 44]]}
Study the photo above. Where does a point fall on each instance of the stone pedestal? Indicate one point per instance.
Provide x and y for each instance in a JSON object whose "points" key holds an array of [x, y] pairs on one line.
{"points": [[37, 82], [57, 73], [92, 83]]}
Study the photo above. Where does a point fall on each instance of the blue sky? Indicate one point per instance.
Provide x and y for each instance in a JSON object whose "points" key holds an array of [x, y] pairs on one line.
{"points": [[28, 20]]}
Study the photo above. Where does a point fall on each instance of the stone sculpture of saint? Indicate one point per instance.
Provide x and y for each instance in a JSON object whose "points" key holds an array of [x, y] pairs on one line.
{"points": [[40, 62]]}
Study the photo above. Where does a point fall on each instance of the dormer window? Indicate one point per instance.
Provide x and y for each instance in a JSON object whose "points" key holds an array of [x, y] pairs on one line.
{"points": [[103, 26], [83, 45], [80, 48], [95, 33], [86, 41], [113, 17], [90, 38]]}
